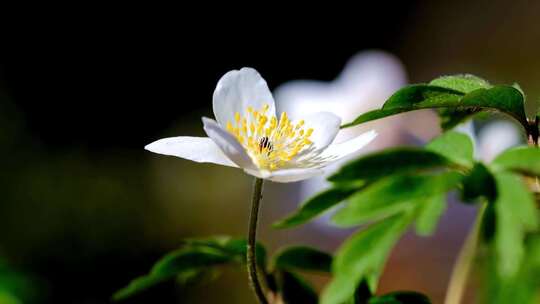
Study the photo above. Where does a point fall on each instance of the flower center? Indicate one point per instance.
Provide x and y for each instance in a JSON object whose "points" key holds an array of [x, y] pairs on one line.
{"points": [[270, 143]]}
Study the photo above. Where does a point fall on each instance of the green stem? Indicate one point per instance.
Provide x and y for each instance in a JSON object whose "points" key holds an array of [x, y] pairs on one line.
{"points": [[251, 258], [462, 266]]}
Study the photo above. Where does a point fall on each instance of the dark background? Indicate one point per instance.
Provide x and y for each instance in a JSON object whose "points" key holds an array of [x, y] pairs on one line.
{"points": [[79, 102]]}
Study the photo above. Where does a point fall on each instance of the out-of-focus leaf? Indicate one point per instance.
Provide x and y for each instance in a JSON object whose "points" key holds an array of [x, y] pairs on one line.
{"points": [[523, 287], [362, 255], [464, 83], [392, 195], [401, 297], [504, 99], [302, 258], [515, 215], [479, 182], [174, 264], [294, 289], [455, 146], [429, 211], [388, 162], [520, 159], [315, 206], [8, 298], [192, 262]]}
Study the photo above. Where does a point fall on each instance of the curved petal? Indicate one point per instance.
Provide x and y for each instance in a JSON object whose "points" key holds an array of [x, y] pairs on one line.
{"points": [[325, 128], [198, 149], [337, 151], [293, 175], [237, 90], [227, 143]]}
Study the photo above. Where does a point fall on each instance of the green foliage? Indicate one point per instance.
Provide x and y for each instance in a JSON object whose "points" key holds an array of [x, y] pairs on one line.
{"points": [[430, 210], [464, 83], [192, 262], [525, 160], [455, 146], [388, 162], [516, 214], [457, 97], [315, 206], [302, 258], [392, 195], [362, 256], [478, 183]]}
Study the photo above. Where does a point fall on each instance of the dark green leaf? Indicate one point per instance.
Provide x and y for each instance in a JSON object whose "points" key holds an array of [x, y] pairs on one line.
{"points": [[410, 98], [455, 146], [193, 262], [314, 207], [450, 117], [521, 159], [293, 289], [401, 297], [392, 195], [430, 210], [504, 99], [479, 182], [388, 162], [363, 255], [176, 263], [515, 215], [302, 258], [464, 83]]}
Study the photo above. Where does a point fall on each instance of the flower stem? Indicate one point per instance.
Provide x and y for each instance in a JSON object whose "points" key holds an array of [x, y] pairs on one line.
{"points": [[251, 258], [462, 266]]}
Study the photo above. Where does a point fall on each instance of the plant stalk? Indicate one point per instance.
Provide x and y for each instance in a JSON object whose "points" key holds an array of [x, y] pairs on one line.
{"points": [[462, 266], [251, 258]]}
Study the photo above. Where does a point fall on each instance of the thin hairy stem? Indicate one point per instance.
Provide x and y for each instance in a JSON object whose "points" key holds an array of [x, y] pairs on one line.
{"points": [[251, 258]]}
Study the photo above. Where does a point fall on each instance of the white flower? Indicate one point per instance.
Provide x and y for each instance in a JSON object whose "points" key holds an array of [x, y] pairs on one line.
{"points": [[248, 135]]}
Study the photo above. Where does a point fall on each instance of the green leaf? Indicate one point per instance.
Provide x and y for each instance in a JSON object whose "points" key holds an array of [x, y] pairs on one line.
{"points": [[430, 210], [524, 160], [302, 258], [410, 98], [176, 263], [524, 287], [401, 297], [294, 289], [315, 207], [464, 83], [392, 195], [388, 162], [363, 255], [456, 146], [515, 215], [504, 99], [450, 118], [192, 262], [479, 182]]}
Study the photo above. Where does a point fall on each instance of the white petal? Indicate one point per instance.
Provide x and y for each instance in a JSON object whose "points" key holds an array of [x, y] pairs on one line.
{"points": [[325, 128], [227, 143], [496, 137], [337, 151], [287, 175], [198, 149], [237, 90]]}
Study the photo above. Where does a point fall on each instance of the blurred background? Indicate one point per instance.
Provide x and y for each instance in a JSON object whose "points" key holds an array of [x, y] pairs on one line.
{"points": [[85, 208]]}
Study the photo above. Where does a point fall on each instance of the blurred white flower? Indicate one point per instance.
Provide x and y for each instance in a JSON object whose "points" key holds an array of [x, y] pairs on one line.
{"points": [[248, 134], [492, 139], [366, 82]]}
